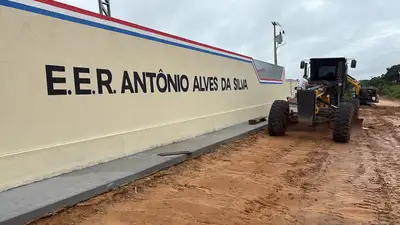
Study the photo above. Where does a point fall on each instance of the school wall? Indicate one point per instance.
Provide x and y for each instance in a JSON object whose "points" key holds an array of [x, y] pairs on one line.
{"points": [[56, 119]]}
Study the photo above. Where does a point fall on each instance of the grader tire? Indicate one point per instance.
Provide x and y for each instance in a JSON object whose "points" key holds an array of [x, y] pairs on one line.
{"points": [[356, 104], [342, 123], [278, 118]]}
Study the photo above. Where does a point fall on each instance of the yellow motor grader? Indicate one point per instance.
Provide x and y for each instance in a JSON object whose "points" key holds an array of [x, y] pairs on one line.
{"points": [[322, 101]]}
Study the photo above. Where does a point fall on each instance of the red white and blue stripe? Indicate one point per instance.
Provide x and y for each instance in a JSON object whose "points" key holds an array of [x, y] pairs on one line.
{"points": [[77, 15]]}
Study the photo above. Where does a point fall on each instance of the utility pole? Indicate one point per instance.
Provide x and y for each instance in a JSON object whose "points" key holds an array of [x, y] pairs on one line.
{"points": [[104, 7], [275, 48], [277, 40]]}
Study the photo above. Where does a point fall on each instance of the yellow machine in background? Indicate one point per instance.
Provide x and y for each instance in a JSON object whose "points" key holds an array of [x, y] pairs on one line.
{"points": [[355, 84]]}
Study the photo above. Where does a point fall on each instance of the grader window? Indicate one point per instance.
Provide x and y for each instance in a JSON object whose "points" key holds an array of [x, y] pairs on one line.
{"points": [[325, 69], [327, 73]]}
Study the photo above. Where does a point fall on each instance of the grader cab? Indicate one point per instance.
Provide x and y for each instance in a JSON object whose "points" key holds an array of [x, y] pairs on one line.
{"points": [[322, 101]]}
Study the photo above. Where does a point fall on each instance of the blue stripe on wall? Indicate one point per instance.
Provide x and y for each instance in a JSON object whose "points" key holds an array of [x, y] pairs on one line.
{"points": [[109, 28], [118, 30]]}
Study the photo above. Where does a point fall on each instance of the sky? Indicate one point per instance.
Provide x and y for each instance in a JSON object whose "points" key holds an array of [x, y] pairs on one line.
{"points": [[367, 30]]}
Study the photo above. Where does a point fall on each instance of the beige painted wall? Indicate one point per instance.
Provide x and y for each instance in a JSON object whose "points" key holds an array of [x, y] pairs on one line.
{"points": [[43, 135]]}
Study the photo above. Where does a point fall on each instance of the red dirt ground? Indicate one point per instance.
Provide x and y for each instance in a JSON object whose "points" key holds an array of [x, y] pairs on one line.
{"points": [[302, 178]]}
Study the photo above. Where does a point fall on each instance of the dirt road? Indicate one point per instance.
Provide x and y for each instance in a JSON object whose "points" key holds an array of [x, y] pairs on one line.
{"points": [[303, 178]]}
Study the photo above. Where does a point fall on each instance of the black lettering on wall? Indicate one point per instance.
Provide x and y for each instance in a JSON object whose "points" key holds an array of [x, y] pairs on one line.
{"points": [[228, 84], [160, 82], [161, 76], [235, 84], [126, 83], [51, 80], [151, 76], [223, 84], [104, 82], [201, 84], [178, 82], [80, 80], [240, 84], [141, 81], [184, 83], [206, 82], [173, 82], [215, 79], [196, 85]]}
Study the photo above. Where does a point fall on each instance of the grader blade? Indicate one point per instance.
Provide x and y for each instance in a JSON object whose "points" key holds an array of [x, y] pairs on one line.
{"points": [[303, 127]]}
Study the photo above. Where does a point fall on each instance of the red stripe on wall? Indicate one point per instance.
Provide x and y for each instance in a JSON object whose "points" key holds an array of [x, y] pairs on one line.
{"points": [[136, 26]]}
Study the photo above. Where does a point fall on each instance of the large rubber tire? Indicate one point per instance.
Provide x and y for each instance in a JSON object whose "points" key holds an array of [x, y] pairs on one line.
{"points": [[356, 104], [342, 122], [278, 118]]}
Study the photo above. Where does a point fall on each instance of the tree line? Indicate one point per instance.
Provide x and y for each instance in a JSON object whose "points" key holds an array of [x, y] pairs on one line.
{"points": [[387, 84]]}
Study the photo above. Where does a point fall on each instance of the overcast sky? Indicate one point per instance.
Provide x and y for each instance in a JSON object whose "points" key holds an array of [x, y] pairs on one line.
{"points": [[368, 30]]}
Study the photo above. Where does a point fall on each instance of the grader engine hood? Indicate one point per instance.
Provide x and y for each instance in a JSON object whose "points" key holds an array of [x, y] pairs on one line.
{"points": [[306, 101]]}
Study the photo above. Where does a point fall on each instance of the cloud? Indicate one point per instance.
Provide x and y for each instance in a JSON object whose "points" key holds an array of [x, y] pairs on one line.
{"points": [[312, 5], [367, 30]]}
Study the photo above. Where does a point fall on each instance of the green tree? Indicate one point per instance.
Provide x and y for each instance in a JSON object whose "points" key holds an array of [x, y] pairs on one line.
{"points": [[388, 83], [392, 74]]}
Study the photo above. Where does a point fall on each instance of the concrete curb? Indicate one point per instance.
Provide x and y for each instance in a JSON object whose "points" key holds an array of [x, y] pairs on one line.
{"points": [[39, 211]]}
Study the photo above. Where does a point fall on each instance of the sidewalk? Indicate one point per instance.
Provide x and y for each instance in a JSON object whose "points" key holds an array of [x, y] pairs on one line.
{"points": [[30, 202]]}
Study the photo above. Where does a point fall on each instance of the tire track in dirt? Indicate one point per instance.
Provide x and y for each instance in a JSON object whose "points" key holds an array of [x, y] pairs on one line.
{"points": [[296, 175], [383, 144]]}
